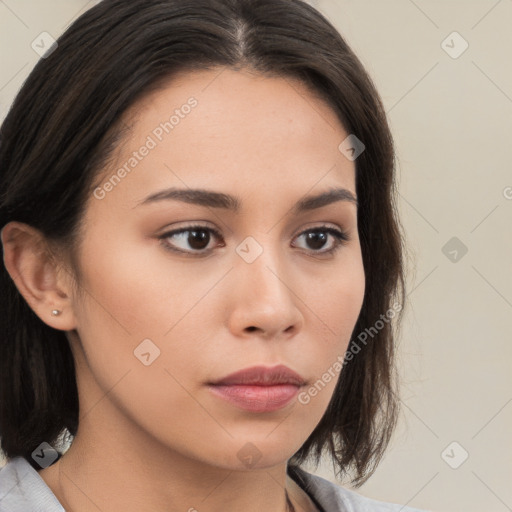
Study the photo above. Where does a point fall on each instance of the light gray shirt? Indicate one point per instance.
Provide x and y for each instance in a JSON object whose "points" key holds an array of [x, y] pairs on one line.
{"points": [[23, 490]]}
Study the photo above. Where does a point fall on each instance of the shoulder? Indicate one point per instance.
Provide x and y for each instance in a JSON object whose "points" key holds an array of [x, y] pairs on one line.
{"points": [[22, 489], [334, 498]]}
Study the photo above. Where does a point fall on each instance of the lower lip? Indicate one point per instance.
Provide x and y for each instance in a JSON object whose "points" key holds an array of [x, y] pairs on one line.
{"points": [[257, 398]]}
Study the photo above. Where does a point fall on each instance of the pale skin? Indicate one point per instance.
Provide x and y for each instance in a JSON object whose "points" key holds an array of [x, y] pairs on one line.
{"points": [[153, 437]]}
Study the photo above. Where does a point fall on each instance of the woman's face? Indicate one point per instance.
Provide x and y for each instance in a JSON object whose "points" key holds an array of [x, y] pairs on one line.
{"points": [[165, 314]]}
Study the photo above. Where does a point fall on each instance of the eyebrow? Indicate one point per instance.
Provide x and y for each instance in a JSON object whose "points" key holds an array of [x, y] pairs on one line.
{"points": [[212, 199]]}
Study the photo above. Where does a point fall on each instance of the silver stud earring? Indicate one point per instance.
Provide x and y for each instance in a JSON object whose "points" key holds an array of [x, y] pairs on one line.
{"points": [[56, 312]]}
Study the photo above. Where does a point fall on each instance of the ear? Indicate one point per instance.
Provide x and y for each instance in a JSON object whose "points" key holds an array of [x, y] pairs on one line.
{"points": [[44, 283]]}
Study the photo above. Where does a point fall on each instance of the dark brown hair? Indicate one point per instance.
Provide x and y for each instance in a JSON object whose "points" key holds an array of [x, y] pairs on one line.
{"points": [[61, 129]]}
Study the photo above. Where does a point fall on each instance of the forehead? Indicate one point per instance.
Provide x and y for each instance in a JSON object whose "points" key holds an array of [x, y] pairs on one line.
{"points": [[221, 127]]}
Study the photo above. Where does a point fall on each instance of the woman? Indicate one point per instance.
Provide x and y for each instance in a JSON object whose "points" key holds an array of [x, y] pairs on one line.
{"points": [[202, 261]]}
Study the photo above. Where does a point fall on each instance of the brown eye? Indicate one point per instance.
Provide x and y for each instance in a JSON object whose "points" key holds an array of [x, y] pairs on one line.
{"points": [[190, 239], [194, 240], [317, 238]]}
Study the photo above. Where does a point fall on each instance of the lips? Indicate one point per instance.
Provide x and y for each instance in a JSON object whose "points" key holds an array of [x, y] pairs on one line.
{"points": [[259, 389], [262, 376]]}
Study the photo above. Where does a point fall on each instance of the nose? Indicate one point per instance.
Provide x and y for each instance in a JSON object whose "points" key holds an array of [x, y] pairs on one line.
{"points": [[263, 301]]}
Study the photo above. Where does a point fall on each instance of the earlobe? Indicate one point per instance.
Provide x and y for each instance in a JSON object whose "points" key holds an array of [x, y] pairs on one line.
{"points": [[34, 271]]}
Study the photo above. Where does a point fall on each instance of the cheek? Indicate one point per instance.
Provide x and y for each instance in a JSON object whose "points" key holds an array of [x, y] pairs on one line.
{"points": [[336, 312], [339, 300], [139, 308], [133, 341], [136, 290]]}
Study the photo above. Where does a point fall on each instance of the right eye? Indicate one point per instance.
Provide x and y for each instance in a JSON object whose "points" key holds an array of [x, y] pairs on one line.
{"points": [[195, 237]]}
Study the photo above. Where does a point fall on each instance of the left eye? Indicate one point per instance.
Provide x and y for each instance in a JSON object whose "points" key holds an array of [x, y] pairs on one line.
{"points": [[319, 236], [198, 238]]}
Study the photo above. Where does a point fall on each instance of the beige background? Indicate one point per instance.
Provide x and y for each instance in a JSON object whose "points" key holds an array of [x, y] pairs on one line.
{"points": [[452, 121]]}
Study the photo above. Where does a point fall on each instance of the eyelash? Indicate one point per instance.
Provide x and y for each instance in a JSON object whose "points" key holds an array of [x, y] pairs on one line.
{"points": [[341, 238]]}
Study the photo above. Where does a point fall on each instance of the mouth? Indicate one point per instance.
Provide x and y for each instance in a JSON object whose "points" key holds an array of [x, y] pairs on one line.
{"points": [[259, 389], [262, 376]]}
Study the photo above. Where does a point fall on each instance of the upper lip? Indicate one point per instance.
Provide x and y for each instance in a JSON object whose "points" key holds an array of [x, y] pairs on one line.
{"points": [[263, 376]]}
